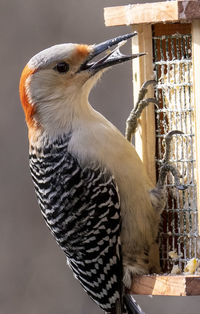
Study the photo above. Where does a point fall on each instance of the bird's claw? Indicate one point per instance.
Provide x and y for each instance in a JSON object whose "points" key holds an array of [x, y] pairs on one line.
{"points": [[168, 139], [132, 121], [147, 83], [167, 167]]}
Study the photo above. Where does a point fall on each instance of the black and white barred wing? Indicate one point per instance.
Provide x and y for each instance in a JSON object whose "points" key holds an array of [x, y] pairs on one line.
{"points": [[81, 207], [97, 261]]}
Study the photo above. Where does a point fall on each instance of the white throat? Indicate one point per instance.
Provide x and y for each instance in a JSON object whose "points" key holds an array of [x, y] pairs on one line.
{"points": [[58, 106]]}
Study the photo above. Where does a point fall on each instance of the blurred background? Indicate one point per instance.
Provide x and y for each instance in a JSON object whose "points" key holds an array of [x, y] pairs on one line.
{"points": [[34, 278]]}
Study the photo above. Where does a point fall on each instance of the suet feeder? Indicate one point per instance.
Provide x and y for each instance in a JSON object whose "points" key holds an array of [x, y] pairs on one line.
{"points": [[169, 32]]}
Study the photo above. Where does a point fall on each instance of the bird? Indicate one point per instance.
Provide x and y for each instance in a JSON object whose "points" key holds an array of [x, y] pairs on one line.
{"points": [[92, 187]]}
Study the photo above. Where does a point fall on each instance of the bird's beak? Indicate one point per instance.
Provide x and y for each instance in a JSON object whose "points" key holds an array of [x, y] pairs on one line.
{"points": [[112, 57]]}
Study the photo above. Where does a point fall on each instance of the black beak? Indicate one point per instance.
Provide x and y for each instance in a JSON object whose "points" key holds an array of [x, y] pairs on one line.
{"points": [[112, 57]]}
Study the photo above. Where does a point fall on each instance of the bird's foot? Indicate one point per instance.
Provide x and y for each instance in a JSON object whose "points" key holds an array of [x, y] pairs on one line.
{"points": [[132, 121], [167, 167]]}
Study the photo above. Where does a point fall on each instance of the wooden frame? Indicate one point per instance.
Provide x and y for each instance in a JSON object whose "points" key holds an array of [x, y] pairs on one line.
{"points": [[169, 11], [179, 285], [143, 71], [196, 95]]}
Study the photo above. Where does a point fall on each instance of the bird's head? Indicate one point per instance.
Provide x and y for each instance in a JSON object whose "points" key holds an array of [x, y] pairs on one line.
{"points": [[55, 84]]}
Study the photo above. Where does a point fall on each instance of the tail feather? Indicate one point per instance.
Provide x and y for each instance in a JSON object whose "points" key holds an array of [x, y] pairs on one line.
{"points": [[131, 306]]}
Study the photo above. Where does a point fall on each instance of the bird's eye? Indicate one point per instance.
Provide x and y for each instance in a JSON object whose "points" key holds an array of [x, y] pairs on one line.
{"points": [[62, 67]]}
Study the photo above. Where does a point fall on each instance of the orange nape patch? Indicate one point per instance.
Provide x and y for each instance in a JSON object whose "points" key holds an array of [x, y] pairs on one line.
{"points": [[82, 52], [29, 109]]}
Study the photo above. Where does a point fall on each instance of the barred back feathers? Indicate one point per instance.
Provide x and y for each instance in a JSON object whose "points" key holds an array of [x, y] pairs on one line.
{"points": [[81, 208]]}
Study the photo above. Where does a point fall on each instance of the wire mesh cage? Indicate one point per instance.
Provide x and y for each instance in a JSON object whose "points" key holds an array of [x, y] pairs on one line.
{"points": [[172, 56]]}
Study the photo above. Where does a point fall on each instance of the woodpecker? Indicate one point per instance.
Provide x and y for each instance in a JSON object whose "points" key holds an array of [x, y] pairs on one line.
{"points": [[91, 186]]}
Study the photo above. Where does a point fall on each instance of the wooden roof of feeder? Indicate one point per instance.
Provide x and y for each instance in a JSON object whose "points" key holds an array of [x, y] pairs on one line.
{"points": [[156, 12], [143, 15]]}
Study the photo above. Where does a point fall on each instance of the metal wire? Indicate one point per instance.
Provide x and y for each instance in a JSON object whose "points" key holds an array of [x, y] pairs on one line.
{"points": [[173, 72]]}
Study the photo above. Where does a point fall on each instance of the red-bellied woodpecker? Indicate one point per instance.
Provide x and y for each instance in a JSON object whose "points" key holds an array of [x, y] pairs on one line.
{"points": [[91, 185]]}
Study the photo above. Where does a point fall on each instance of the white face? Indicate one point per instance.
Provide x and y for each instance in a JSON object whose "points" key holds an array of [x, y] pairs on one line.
{"points": [[55, 84], [57, 89]]}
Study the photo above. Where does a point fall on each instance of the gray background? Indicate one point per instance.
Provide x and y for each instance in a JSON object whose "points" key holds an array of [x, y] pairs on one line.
{"points": [[34, 278]]}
